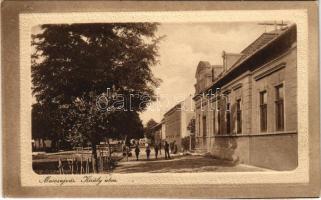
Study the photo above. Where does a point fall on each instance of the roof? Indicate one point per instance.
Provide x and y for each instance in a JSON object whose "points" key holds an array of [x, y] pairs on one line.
{"points": [[202, 65], [261, 41], [267, 47], [177, 106], [157, 126]]}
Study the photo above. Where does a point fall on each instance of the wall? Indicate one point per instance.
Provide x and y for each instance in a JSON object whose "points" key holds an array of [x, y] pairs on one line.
{"points": [[238, 89], [163, 131], [272, 151], [231, 148], [287, 76], [278, 152], [187, 113], [173, 126]]}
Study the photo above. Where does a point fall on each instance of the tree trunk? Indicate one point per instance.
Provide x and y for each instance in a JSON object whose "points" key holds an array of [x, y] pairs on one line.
{"points": [[125, 142]]}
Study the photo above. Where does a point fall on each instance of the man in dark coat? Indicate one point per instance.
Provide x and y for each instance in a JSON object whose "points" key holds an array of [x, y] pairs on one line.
{"points": [[166, 147], [137, 150], [156, 150], [148, 151], [160, 148]]}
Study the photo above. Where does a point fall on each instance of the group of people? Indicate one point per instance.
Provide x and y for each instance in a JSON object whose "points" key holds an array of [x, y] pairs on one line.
{"points": [[157, 148]]}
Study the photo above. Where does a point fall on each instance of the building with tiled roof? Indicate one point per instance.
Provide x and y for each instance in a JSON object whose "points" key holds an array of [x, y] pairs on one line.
{"points": [[246, 109]]}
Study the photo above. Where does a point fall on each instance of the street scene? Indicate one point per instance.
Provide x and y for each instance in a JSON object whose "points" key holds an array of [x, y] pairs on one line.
{"points": [[164, 97]]}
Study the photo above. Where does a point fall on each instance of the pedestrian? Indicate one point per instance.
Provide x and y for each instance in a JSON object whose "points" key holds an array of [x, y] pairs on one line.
{"points": [[127, 149], [171, 146], [166, 147], [156, 150], [137, 150], [147, 151], [160, 148], [175, 148]]}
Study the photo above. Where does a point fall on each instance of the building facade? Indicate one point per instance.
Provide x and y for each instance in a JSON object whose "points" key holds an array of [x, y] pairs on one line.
{"points": [[176, 121], [247, 112]]}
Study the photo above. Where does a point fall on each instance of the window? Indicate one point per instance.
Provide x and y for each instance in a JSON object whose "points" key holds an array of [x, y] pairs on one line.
{"points": [[279, 108], [238, 117], [228, 118], [263, 111]]}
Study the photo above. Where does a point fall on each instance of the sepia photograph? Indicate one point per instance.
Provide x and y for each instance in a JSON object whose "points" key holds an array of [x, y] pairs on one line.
{"points": [[161, 101], [164, 97]]}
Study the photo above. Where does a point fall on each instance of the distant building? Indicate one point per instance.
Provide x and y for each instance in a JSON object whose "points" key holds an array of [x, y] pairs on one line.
{"points": [[176, 121], [157, 133], [246, 109], [163, 131]]}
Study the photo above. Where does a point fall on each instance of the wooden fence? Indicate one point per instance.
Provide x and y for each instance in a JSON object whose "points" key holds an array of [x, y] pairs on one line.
{"points": [[83, 163]]}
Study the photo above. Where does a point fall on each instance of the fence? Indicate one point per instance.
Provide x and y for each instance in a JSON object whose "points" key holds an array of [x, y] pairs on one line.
{"points": [[83, 163]]}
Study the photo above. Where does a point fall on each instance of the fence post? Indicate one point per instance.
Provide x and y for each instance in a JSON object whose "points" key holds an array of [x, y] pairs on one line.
{"points": [[72, 165], [60, 166], [76, 163], [81, 167], [87, 166]]}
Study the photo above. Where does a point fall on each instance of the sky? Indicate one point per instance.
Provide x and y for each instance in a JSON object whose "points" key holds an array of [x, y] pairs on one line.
{"points": [[181, 50]]}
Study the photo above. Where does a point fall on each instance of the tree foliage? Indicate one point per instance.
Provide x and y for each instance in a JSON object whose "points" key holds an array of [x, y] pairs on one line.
{"points": [[148, 129], [75, 63], [191, 126], [188, 142], [80, 58]]}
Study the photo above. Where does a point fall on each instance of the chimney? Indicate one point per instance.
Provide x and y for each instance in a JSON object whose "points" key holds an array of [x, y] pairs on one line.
{"points": [[229, 59], [224, 60]]}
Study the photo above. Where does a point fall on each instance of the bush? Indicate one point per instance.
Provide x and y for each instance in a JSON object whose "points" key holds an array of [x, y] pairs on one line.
{"points": [[186, 142]]}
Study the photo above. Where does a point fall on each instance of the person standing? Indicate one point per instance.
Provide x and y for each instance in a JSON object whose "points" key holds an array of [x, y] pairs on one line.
{"points": [[137, 150], [160, 148], [148, 151], [127, 149], [166, 147], [156, 150]]}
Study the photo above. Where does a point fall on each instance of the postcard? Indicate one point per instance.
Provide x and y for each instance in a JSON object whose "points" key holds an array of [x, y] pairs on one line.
{"points": [[184, 103]]}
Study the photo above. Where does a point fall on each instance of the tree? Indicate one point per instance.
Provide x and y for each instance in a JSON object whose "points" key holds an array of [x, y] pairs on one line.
{"points": [[126, 124], [151, 123], [73, 64], [190, 140], [148, 129], [40, 122], [191, 126]]}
